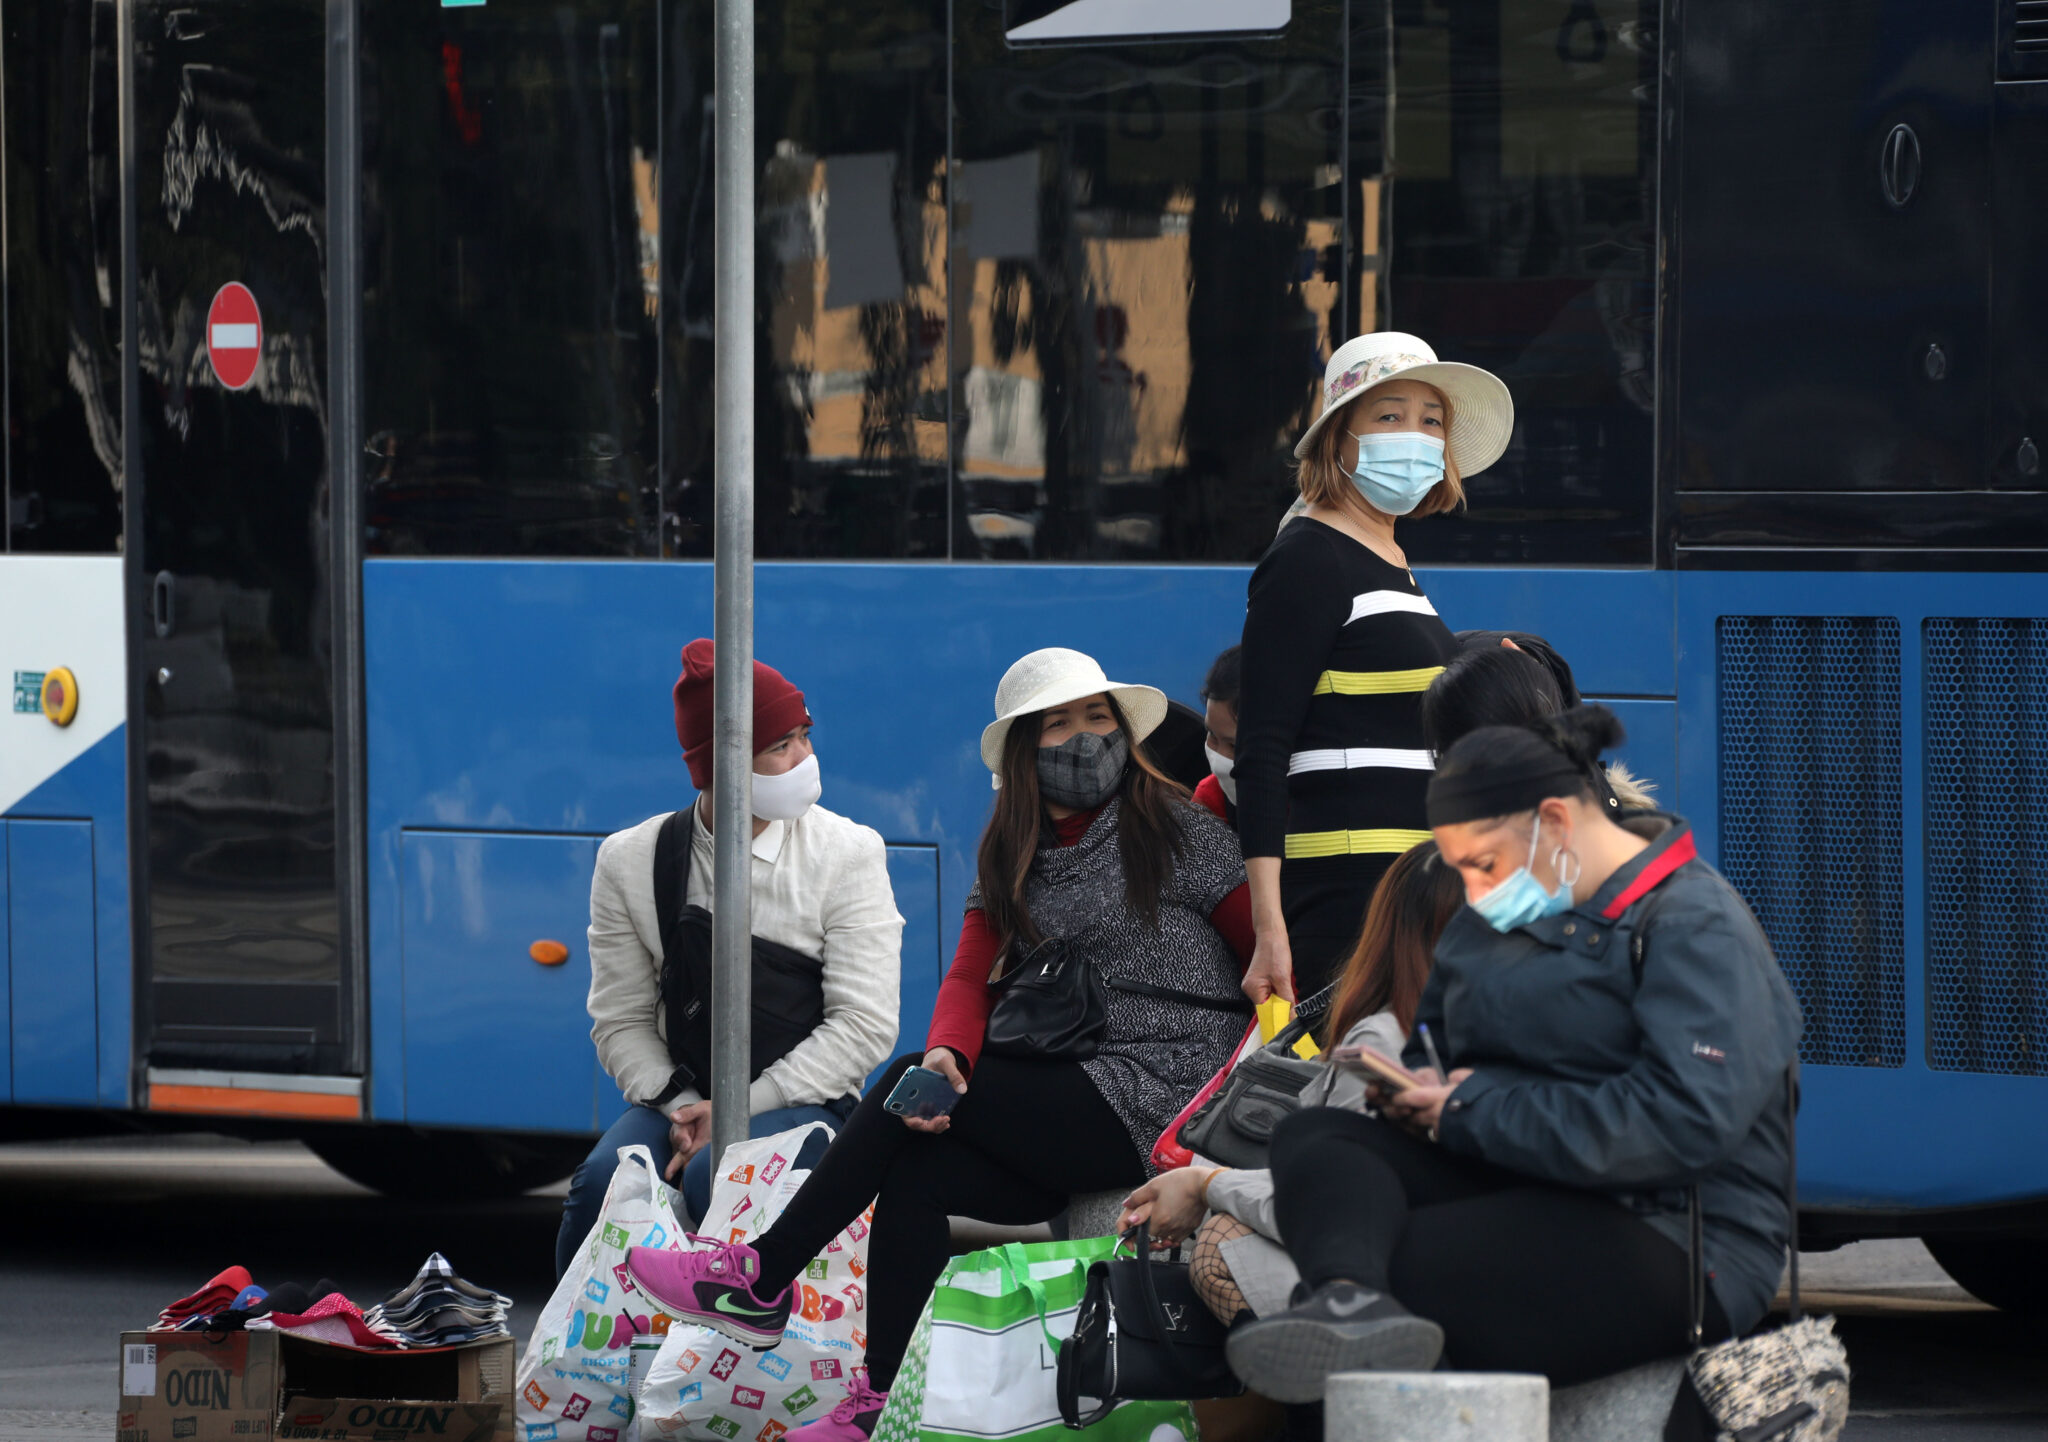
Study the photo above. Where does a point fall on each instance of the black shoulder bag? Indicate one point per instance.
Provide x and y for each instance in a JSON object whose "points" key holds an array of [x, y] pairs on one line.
{"points": [[1049, 1004], [789, 987], [1141, 1334], [1234, 1127]]}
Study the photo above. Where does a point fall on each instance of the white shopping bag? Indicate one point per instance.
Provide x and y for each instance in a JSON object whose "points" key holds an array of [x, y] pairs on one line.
{"points": [[598, 1334], [704, 1387]]}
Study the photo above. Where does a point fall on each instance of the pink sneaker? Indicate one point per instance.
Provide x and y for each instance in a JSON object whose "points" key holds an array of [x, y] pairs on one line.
{"points": [[713, 1286], [853, 1420]]}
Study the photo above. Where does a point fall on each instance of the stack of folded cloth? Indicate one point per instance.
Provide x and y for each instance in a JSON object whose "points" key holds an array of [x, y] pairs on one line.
{"points": [[232, 1303], [332, 1318], [231, 1289], [437, 1308]]}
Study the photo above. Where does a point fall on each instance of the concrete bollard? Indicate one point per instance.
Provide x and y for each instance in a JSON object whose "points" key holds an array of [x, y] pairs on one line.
{"points": [[1626, 1407], [1436, 1407]]}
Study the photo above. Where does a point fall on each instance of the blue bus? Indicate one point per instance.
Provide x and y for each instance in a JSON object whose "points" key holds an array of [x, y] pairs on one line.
{"points": [[358, 489]]}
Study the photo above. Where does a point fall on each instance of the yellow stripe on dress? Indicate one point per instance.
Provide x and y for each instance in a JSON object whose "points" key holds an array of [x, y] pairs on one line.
{"points": [[1380, 841], [1375, 683]]}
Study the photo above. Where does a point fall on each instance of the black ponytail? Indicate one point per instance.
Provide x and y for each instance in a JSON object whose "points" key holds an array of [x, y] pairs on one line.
{"points": [[1502, 770]]}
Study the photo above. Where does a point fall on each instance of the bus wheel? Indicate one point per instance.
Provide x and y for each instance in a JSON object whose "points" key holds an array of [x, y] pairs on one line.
{"points": [[445, 1166], [2011, 1273]]}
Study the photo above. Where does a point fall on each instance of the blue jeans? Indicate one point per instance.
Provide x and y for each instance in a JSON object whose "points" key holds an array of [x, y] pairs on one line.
{"points": [[646, 1127]]}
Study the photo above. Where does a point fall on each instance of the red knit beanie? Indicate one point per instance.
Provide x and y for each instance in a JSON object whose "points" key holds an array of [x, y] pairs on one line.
{"points": [[778, 709]]}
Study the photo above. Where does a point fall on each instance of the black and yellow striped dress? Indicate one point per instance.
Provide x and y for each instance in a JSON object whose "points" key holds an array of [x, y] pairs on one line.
{"points": [[1339, 645]]}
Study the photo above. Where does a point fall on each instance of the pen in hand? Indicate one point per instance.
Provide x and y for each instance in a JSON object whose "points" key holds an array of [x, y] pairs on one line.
{"points": [[1429, 1046]]}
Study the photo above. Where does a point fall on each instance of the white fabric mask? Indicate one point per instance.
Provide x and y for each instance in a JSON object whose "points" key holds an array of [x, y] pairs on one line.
{"points": [[790, 795], [1223, 765]]}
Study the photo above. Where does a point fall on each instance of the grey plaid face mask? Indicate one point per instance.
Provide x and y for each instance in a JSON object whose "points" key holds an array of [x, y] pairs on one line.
{"points": [[1084, 770]]}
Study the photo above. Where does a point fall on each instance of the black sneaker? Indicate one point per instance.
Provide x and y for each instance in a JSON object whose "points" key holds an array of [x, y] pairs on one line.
{"points": [[1342, 1327]]}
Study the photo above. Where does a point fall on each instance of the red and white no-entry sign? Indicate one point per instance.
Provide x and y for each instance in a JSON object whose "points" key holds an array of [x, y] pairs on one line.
{"points": [[234, 335]]}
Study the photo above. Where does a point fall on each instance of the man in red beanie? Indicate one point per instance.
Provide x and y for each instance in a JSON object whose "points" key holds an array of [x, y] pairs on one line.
{"points": [[827, 941]]}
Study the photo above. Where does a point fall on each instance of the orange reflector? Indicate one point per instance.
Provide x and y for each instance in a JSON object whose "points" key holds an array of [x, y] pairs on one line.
{"points": [[548, 953], [254, 1102]]}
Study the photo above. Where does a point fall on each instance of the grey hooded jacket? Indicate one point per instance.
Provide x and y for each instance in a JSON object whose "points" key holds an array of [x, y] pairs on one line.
{"points": [[1637, 1045]]}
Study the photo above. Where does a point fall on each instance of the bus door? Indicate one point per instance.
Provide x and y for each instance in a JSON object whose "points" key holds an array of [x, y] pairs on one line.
{"points": [[235, 622]]}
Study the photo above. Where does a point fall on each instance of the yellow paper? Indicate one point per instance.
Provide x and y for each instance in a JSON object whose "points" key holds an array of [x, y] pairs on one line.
{"points": [[1274, 1014], [1307, 1049]]}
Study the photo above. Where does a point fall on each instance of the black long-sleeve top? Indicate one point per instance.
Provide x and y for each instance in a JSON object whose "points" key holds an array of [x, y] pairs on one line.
{"points": [[1339, 645]]}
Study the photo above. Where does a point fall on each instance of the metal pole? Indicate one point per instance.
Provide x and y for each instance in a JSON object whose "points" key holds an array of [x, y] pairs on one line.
{"points": [[732, 784]]}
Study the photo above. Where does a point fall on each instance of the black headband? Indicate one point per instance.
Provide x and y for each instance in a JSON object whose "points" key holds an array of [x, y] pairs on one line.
{"points": [[1489, 791]]}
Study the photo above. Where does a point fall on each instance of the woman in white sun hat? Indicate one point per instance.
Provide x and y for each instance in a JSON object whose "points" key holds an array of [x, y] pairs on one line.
{"points": [[1090, 854], [1339, 645]]}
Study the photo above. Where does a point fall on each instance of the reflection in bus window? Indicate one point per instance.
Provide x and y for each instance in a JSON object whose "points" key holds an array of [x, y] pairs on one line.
{"points": [[1042, 22], [1523, 240], [511, 166], [1148, 263], [63, 481]]}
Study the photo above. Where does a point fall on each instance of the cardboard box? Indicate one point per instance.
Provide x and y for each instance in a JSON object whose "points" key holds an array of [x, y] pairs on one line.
{"points": [[238, 1386]]}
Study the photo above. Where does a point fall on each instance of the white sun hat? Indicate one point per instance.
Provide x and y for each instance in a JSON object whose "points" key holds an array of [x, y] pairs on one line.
{"points": [[1055, 676], [1482, 411]]}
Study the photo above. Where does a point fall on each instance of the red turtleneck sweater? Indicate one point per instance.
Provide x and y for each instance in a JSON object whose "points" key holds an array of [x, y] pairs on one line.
{"points": [[960, 1019]]}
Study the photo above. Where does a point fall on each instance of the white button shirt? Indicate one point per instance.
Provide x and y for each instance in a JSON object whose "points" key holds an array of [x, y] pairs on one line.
{"points": [[821, 887]]}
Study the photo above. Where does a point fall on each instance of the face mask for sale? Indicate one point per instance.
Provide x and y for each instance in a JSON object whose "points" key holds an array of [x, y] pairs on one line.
{"points": [[1223, 765], [1396, 469], [1084, 770], [790, 795]]}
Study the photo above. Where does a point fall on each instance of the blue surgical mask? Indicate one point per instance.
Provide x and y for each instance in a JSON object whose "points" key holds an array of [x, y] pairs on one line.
{"points": [[1521, 899], [1396, 469]]}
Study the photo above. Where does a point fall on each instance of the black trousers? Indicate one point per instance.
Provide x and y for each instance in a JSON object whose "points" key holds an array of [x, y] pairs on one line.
{"points": [[1522, 1275], [1025, 1136]]}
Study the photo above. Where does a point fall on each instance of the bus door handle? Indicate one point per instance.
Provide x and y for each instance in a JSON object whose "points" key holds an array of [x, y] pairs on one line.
{"points": [[163, 605]]}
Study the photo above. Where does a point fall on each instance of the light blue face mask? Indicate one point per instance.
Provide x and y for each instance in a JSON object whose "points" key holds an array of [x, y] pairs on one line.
{"points": [[1396, 469], [1521, 899]]}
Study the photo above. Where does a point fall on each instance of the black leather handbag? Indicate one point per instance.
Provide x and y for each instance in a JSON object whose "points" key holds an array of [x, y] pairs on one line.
{"points": [[1141, 1334], [1235, 1126], [1049, 1006]]}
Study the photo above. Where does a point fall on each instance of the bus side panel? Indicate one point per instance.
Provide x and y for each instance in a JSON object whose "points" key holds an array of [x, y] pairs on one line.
{"points": [[1849, 823], [66, 611], [491, 1005], [50, 945], [533, 696]]}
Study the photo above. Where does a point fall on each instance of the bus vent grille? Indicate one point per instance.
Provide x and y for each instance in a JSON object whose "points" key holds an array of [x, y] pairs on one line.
{"points": [[1810, 818], [1987, 835], [2022, 39]]}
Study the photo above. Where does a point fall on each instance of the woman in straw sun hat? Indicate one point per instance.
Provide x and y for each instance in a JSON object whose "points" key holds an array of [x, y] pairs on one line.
{"points": [[1339, 645], [1092, 854]]}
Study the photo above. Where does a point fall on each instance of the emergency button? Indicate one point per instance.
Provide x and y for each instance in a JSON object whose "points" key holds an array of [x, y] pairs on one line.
{"points": [[60, 695]]}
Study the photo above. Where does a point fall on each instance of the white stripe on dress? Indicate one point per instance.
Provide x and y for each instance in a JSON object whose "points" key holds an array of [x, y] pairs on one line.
{"points": [[1355, 757], [1381, 603]]}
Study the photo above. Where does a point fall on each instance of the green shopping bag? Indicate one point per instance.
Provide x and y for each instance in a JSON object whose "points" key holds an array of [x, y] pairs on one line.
{"points": [[981, 1365]]}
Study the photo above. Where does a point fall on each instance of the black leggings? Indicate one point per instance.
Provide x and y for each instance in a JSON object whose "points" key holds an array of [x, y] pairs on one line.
{"points": [[1522, 1275], [1025, 1136]]}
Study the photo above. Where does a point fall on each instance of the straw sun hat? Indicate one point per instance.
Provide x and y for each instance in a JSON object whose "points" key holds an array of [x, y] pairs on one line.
{"points": [[1482, 412], [1053, 677]]}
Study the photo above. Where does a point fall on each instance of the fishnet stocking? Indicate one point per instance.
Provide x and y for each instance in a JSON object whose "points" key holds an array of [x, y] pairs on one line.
{"points": [[1209, 1272]]}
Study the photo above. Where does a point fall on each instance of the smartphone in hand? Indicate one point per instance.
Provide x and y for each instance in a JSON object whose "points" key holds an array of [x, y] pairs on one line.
{"points": [[922, 1094], [1377, 1066]]}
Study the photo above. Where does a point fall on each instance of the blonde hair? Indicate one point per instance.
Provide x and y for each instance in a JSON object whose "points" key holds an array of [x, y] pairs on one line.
{"points": [[1320, 475]]}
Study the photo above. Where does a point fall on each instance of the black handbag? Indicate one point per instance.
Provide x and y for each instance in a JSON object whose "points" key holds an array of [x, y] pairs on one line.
{"points": [[1049, 1005], [1141, 1334], [1234, 1128]]}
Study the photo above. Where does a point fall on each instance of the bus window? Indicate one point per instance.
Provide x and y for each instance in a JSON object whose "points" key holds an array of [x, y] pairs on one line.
{"points": [[510, 171], [850, 400], [63, 279], [1148, 270], [1522, 238]]}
